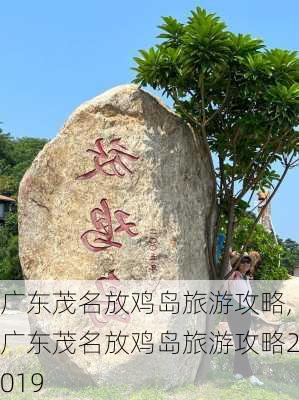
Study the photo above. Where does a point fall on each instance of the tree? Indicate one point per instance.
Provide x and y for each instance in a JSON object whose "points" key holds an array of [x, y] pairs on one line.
{"points": [[270, 251], [290, 256], [241, 98], [16, 155]]}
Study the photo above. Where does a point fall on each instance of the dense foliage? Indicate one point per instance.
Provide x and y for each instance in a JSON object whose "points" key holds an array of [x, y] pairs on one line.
{"points": [[271, 252], [16, 155], [290, 256]]}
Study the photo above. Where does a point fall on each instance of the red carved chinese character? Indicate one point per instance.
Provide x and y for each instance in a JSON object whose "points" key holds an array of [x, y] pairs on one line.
{"points": [[111, 277], [105, 286], [111, 163], [124, 226], [101, 238]]}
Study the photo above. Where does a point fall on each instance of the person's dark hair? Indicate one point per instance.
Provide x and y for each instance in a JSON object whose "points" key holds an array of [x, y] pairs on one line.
{"points": [[239, 261], [245, 258]]}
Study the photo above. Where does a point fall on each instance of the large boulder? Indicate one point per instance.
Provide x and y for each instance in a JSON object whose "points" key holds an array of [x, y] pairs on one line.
{"points": [[123, 187], [123, 192]]}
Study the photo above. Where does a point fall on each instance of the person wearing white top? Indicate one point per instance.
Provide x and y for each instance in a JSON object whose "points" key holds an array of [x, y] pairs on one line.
{"points": [[239, 318]]}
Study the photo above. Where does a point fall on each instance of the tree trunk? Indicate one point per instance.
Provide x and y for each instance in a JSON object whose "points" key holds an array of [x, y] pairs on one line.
{"points": [[228, 240]]}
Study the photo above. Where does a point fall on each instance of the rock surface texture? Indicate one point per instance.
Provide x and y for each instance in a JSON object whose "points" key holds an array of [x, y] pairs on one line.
{"points": [[122, 187]]}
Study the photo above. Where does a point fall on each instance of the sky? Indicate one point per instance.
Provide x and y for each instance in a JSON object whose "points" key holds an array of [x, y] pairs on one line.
{"points": [[56, 54]]}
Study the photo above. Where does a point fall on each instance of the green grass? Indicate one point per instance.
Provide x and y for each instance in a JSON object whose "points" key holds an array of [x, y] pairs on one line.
{"points": [[220, 389], [279, 373]]}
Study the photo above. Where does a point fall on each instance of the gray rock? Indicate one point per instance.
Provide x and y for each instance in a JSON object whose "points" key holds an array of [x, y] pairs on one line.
{"points": [[124, 187], [159, 177]]}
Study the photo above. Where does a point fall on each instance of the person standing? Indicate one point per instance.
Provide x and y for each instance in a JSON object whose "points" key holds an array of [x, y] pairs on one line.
{"points": [[239, 318]]}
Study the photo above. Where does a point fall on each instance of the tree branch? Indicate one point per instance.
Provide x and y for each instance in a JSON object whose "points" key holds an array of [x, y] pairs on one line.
{"points": [[287, 167], [220, 109]]}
